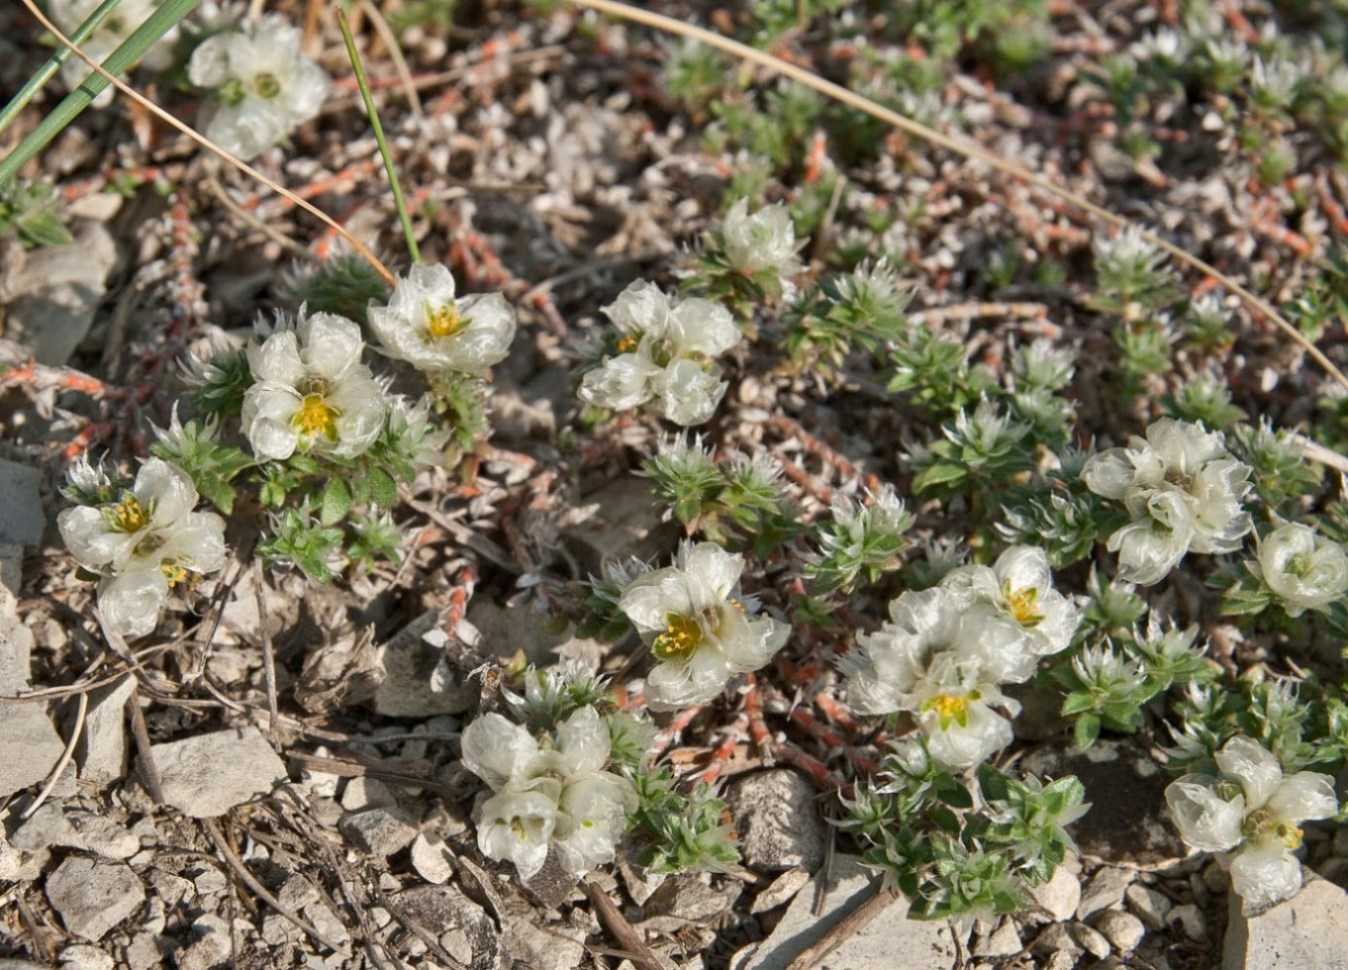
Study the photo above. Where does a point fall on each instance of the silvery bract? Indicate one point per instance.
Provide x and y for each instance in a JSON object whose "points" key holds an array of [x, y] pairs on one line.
{"points": [[424, 325], [667, 355], [116, 27], [1253, 812], [1305, 570], [944, 663], [700, 633], [143, 544], [312, 393], [1018, 588], [764, 240], [555, 797], [263, 83], [1183, 491]]}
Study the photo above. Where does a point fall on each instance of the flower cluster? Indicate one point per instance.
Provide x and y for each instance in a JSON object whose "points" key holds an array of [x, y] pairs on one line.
{"points": [[1251, 813], [666, 354], [143, 540], [764, 241], [548, 794], [264, 85], [1305, 570], [700, 631], [1183, 491], [945, 652], [425, 326]]}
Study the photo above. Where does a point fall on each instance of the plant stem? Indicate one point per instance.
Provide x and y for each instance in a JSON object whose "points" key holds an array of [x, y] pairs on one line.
{"points": [[384, 152], [44, 74]]}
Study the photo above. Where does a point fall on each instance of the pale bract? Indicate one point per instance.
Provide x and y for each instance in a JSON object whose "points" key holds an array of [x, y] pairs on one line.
{"points": [[1253, 813], [145, 543], [700, 632], [1183, 491], [666, 355], [1305, 570], [311, 391], [263, 83], [426, 326], [765, 240]]}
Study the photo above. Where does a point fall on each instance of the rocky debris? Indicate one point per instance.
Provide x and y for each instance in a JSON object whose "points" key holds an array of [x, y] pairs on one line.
{"points": [[545, 946], [51, 296], [207, 775], [1132, 831], [1304, 931], [686, 898], [503, 630], [1061, 895], [379, 831], [465, 930], [84, 957], [1148, 905], [891, 939], [626, 521], [1057, 938], [29, 747], [407, 664], [93, 897], [1061, 960], [1091, 940], [1189, 918], [432, 859], [1123, 930], [102, 750], [16, 651], [20, 965], [53, 826], [19, 866], [1003, 941], [1104, 890], [212, 947], [363, 792], [22, 520], [641, 884], [778, 821], [780, 891]]}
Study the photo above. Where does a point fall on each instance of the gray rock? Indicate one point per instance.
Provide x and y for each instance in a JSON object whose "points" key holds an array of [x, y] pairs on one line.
{"points": [[212, 947], [1189, 918], [29, 747], [21, 516], [11, 575], [1061, 960], [379, 831], [687, 898], [446, 910], [102, 751], [554, 946], [1132, 830], [432, 859], [93, 897], [207, 775], [1104, 891], [627, 521], [504, 630], [1148, 905], [1056, 938], [52, 826], [363, 792], [81, 956], [778, 821], [20, 965], [16, 652], [1004, 941], [406, 664], [1061, 895], [781, 891], [1304, 931], [1123, 930], [891, 939], [1091, 940]]}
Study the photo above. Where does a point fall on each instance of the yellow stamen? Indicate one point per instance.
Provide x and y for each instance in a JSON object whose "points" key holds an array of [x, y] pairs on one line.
{"points": [[950, 708], [680, 640], [129, 515], [316, 417], [1290, 835], [444, 321], [1023, 603], [174, 574], [627, 344]]}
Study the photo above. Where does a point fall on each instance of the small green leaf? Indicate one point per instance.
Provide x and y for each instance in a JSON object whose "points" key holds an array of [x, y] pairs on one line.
{"points": [[383, 489], [44, 229], [941, 474], [335, 502], [1077, 702], [1087, 731]]}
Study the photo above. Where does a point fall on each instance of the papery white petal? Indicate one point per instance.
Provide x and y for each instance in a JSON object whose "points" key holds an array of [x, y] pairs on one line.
{"points": [[1254, 766], [496, 749], [1305, 795], [688, 392], [517, 826], [583, 740], [1265, 874], [131, 602], [1205, 820]]}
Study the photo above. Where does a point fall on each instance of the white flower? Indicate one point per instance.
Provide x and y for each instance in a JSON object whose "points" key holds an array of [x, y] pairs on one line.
{"points": [[1254, 812], [263, 82], [764, 240], [666, 355], [942, 662], [516, 825], [144, 544], [116, 27], [1183, 491], [1019, 588], [700, 633], [1307, 571], [312, 393], [424, 325]]}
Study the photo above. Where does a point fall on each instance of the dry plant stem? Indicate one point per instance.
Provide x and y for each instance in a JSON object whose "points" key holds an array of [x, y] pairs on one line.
{"points": [[259, 890], [210, 146], [851, 924], [640, 954], [246, 217], [64, 760], [961, 146], [148, 772]]}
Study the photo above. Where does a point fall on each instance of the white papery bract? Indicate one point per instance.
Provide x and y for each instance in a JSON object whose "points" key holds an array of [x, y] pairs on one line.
{"points": [[424, 325], [263, 83], [116, 27], [944, 663], [666, 355], [699, 631], [1018, 588], [553, 796], [311, 392], [765, 240], [1183, 491], [146, 542], [1253, 813], [1305, 570]]}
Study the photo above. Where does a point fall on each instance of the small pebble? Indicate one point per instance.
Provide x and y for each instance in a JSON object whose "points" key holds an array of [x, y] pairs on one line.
{"points": [[1123, 930], [1093, 940], [1191, 920], [1150, 906]]}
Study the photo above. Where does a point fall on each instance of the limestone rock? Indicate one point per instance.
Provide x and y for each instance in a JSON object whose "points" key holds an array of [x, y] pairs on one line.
{"points": [[1061, 895], [379, 831], [212, 947], [101, 752], [1304, 931], [1104, 891], [21, 517], [29, 747], [207, 775], [778, 821], [1123, 930], [52, 826], [16, 652], [627, 521], [93, 897], [407, 664], [432, 859]]}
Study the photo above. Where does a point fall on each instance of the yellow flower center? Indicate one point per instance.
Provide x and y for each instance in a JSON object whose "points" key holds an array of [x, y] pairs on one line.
{"points": [[444, 321], [129, 515], [627, 344], [1023, 604], [1261, 826], [517, 827], [951, 708], [267, 85], [680, 640], [174, 573], [316, 417]]}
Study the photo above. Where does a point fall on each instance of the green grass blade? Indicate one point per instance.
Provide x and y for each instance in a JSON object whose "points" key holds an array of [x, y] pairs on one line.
{"points": [[118, 62], [44, 74]]}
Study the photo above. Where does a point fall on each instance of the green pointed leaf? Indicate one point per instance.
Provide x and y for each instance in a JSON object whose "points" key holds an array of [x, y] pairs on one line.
{"points": [[383, 489], [940, 474], [335, 502]]}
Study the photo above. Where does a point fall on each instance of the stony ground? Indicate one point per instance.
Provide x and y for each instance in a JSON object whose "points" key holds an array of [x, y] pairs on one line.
{"points": [[270, 781]]}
